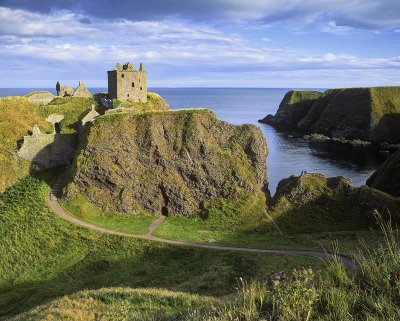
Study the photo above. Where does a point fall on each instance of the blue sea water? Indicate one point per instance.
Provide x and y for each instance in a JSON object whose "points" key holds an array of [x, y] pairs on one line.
{"points": [[288, 155]]}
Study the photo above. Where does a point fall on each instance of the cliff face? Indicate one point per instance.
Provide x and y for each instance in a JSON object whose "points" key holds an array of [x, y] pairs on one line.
{"points": [[293, 108], [326, 204], [387, 177], [369, 114], [171, 162]]}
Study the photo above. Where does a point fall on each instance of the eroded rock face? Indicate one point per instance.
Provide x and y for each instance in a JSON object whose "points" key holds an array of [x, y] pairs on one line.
{"points": [[169, 162], [308, 194], [387, 177], [368, 114], [303, 189]]}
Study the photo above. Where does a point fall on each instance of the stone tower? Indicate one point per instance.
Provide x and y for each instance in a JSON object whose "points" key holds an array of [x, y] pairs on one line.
{"points": [[127, 83]]}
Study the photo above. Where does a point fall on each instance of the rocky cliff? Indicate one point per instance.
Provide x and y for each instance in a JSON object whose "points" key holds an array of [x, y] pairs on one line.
{"points": [[315, 203], [370, 114], [169, 162], [387, 177]]}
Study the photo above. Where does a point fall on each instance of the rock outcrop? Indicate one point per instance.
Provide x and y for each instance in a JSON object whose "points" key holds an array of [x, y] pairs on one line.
{"points": [[368, 114], [327, 204], [40, 97], [387, 177], [169, 162]]}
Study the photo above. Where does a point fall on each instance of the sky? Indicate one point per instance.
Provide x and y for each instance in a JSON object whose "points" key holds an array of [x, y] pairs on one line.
{"points": [[202, 43]]}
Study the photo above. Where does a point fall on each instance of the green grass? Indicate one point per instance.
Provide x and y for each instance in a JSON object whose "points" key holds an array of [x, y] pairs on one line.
{"points": [[115, 304], [44, 257], [17, 117], [123, 222], [70, 107], [371, 293]]}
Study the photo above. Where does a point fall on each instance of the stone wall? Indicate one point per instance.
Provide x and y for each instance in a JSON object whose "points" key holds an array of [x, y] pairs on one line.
{"points": [[126, 83], [48, 150], [40, 97]]}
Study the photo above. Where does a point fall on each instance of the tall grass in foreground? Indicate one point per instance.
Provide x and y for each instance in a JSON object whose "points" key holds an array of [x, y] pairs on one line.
{"points": [[371, 293]]}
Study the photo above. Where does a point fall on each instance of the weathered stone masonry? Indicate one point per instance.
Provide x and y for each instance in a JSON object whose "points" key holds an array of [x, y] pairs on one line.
{"points": [[127, 83], [48, 150]]}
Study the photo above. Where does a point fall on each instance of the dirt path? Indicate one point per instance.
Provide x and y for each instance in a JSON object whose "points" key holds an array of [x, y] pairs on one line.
{"points": [[55, 206], [156, 223]]}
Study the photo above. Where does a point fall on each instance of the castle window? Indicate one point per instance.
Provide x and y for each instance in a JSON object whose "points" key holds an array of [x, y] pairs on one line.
{"points": [[141, 88], [127, 95], [122, 75], [133, 84]]}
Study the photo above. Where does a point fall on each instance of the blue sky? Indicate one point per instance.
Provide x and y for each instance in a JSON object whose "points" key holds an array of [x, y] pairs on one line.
{"points": [[207, 43]]}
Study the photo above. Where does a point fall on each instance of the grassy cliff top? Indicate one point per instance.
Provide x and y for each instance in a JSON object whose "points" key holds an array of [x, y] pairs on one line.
{"points": [[296, 96], [154, 102]]}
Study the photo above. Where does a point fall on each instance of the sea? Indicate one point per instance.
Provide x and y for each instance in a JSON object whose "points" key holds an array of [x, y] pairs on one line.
{"points": [[288, 154]]}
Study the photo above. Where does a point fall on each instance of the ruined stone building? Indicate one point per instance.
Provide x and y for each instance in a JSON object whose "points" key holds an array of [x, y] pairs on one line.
{"points": [[80, 91], [85, 119], [127, 83]]}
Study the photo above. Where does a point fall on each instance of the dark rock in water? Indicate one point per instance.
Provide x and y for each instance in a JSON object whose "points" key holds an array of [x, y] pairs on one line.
{"points": [[367, 114], [387, 177], [169, 162]]}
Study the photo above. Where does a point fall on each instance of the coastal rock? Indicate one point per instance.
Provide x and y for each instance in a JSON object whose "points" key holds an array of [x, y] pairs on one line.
{"points": [[169, 162], [387, 177], [293, 108], [367, 114], [329, 203], [303, 189]]}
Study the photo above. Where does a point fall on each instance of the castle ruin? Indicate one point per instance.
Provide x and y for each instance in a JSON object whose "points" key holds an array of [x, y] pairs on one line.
{"points": [[127, 83], [80, 91]]}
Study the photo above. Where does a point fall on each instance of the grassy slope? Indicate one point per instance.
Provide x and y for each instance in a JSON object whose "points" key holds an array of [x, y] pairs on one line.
{"points": [[44, 257], [124, 222], [235, 223], [154, 102], [70, 107], [17, 117], [115, 304]]}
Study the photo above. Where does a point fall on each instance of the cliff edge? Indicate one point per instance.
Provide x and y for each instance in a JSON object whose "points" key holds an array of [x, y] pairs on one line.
{"points": [[387, 177], [169, 162], [369, 114]]}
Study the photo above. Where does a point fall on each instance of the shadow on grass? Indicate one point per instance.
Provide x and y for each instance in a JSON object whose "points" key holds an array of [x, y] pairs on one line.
{"points": [[119, 262]]}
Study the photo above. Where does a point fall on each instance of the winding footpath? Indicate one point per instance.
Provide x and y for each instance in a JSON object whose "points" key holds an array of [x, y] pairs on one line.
{"points": [[348, 262]]}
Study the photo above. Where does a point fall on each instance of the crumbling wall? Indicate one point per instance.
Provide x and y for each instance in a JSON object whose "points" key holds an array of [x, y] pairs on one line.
{"points": [[48, 150]]}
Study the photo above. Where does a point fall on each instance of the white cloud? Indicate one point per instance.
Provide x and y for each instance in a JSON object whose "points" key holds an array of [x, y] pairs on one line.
{"points": [[65, 38], [25, 23]]}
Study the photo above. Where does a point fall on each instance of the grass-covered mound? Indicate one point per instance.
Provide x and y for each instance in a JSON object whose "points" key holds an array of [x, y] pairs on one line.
{"points": [[116, 304], [17, 117], [369, 114], [70, 107], [154, 102], [44, 257], [315, 203], [170, 162]]}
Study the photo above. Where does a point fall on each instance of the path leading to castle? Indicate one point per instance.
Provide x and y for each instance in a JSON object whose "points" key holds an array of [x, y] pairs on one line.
{"points": [[55, 206]]}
